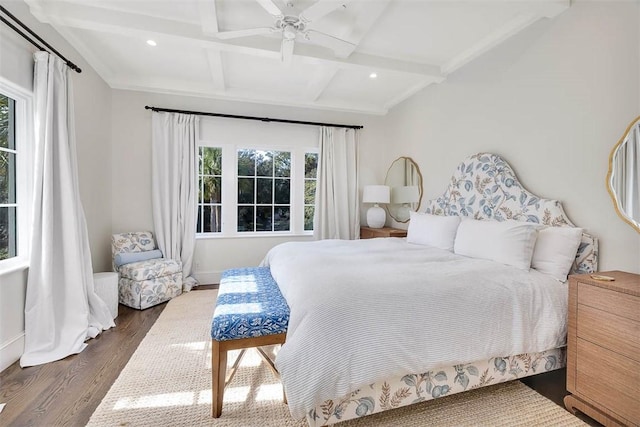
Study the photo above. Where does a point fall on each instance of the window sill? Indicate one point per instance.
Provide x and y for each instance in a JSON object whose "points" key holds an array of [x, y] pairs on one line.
{"points": [[251, 235], [13, 265]]}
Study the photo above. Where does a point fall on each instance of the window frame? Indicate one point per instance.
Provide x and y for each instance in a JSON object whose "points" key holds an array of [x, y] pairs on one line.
{"points": [[23, 148], [229, 196]]}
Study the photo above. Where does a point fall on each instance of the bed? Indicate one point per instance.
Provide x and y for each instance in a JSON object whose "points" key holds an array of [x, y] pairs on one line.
{"points": [[383, 323]]}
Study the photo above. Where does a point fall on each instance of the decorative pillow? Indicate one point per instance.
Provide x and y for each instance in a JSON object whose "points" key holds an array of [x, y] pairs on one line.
{"points": [[129, 257], [556, 250], [506, 242], [433, 230]]}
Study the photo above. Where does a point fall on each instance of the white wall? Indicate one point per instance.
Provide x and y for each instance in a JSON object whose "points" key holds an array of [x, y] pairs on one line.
{"points": [[92, 115], [131, 148], [553, 101]]}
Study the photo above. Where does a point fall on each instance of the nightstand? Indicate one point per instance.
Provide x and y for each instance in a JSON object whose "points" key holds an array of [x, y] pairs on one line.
{"points": [[603, 348], [370, 233]]}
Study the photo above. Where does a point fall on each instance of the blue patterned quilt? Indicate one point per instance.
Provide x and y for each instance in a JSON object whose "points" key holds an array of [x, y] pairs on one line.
{"points": [[249, 305]]}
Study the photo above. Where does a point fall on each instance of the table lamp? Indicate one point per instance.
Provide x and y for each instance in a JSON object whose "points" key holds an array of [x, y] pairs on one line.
{"points": [[376, 216]]}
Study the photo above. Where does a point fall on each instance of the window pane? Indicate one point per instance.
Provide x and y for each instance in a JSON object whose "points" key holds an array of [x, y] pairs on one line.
{"points": [[212, 217], [7, 232], [211, 160], [308, 217], [311, 165], [283, 192], [263, 218], [264, 192], [309, 192], [7, 122], [212, 188], [246, 163], [282, 163], [7, 177], [245, 190], [264, 163], [245, 218], [281, 218]]}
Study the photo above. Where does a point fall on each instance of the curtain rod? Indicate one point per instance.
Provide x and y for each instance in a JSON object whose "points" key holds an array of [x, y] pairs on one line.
{"points": [[50, 49], [262, 119]]}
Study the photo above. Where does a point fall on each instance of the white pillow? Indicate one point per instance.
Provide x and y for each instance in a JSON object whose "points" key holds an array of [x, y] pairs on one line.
{"points": [[506, 242], [556, 250], [433, 230]]}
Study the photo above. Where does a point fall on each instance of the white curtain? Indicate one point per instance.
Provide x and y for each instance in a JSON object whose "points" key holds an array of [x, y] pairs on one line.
{"points": [[62, 309], [337, 210], [174, 163]]}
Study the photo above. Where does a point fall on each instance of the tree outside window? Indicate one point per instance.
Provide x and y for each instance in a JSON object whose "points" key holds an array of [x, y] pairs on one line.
{"points": [[209, 190], [264, 190], [8, 204], [310, 181]]}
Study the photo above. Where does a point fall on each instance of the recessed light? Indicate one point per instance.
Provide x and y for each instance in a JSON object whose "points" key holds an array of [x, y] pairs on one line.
{"points": [[373, 75], [152, 43]]}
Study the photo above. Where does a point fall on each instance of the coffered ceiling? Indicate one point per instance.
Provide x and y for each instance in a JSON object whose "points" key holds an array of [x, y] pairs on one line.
{"points": [[406, 44]]}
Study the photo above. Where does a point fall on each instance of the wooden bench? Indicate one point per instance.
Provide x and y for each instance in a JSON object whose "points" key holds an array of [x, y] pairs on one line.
{"points": [[250, 312]]}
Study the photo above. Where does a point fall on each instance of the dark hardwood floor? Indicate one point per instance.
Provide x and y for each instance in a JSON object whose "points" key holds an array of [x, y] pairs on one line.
{"points": [[66, 392]]}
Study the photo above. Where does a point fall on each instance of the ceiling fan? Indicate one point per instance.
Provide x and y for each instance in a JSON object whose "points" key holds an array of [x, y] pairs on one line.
{"points": [[290, 26]]}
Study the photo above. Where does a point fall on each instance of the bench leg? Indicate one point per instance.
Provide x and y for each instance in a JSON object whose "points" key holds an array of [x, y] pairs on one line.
{"points": [[218, 377]]}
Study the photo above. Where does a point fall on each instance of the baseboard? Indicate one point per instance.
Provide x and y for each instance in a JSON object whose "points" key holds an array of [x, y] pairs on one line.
{"points": [[11, 351], [208, 277]]}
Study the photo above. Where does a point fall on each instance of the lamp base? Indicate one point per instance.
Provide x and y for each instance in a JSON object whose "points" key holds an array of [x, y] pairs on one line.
{"points": [[376, 217]]}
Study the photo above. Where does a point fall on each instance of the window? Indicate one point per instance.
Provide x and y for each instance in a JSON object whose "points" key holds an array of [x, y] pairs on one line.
{"points": [[8, 202], [264, 190], [15, 180], [310, 179], [209, 190], [255, 191]]}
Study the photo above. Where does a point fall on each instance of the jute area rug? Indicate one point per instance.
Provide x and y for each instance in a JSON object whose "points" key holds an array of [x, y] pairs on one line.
{"points": [[167, 382]]}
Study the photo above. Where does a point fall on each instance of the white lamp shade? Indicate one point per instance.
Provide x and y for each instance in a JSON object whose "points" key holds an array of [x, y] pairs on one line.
{"points": [[376, 194], [405, 194]]}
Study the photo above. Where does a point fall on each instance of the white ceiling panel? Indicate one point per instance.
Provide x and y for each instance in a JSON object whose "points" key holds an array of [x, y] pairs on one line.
{"points": [[204, 48]]}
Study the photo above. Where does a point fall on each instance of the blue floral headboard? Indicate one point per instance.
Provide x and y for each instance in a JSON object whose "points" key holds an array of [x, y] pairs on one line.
{"points": [[485, 187]]}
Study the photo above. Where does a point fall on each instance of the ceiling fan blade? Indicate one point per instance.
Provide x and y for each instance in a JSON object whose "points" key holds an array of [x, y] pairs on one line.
{"points": [[320, 9], [270, 7], [244, 33], [336, 44], [286, 51]]}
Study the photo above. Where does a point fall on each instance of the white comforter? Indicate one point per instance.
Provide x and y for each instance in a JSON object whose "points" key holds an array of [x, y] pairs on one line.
{"points": [[365, 310]]}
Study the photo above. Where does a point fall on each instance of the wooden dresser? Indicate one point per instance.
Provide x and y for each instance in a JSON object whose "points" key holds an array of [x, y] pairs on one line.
{"points": [[370, 233], [603, 348]]}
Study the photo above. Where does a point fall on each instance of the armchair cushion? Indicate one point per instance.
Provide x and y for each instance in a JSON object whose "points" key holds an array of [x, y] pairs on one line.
{"points": [[150, 269], [123, 258]]}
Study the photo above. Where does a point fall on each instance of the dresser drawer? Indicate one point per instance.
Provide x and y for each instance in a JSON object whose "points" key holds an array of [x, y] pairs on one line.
{"points": [[608, 378], [622, 304], [609, 331]]}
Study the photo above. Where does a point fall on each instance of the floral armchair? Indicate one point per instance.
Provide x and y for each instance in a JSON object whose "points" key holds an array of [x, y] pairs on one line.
{"points": [[145, 278]]}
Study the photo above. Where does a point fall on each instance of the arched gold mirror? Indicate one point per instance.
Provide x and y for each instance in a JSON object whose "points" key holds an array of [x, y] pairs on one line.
{"points": [[623, 178], [405, 180]]}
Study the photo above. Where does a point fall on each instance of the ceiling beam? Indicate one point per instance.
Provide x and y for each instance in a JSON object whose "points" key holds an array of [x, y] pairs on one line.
{"points": [[318, 82], [91, 18], [209, 25], [234, 94], [208, 17], [353, 33], [214, 58], [538, 10]]}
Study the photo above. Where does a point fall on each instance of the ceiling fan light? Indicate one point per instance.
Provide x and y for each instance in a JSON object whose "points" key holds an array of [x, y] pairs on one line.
{"points": [[289, 32]]}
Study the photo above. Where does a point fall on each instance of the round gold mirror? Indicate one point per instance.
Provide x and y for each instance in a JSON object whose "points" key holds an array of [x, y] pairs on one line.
{"points": [[405, 180], [623, 178]]}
